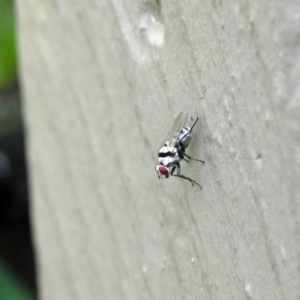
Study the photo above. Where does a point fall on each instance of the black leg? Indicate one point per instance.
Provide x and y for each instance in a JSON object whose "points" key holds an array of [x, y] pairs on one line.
{"points": [[182, 176], [174, 168], [189, 179], [193, 158]]}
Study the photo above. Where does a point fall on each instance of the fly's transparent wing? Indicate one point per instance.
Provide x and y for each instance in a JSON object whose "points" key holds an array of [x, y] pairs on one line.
{"points": [[179, 123]]}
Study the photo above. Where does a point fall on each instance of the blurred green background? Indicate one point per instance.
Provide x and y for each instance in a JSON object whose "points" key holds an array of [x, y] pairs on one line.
{"points": [[17, 270], [11, 288], [8, 57]]}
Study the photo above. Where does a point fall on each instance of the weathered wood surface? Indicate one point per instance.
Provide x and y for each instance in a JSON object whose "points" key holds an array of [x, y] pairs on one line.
{"points": [[103, 82]]}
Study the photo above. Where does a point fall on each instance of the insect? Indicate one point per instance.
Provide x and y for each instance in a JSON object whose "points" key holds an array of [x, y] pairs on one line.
{"points": [[173, 150]]}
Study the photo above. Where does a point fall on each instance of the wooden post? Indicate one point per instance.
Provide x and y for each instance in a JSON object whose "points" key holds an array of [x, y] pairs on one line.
{"points": [[102, 83]]}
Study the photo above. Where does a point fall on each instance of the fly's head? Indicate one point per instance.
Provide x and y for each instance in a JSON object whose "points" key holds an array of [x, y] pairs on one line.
{"points": [[163, 172]]}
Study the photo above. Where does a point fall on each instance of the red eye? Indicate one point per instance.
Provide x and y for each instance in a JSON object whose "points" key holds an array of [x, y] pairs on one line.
{"points": [[163, 170]]}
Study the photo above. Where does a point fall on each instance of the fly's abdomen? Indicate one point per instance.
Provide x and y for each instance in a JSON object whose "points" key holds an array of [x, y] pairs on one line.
{"points": [[184, 138]]}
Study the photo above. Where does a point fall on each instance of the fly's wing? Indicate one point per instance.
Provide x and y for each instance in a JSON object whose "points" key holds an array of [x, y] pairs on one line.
{"points": [[174, 132]]}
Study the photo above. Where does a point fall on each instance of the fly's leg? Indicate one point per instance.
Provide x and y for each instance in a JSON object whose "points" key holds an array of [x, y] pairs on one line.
{"points": [[174, 168], [193, 158], [190, 180], [182, 176]]}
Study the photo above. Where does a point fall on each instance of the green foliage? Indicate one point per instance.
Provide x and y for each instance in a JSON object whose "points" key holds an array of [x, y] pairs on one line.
{"points": [[8, 60], [10, 288]]}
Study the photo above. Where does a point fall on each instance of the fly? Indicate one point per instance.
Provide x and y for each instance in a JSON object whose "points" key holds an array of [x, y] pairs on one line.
{"points": [[173, 150]]}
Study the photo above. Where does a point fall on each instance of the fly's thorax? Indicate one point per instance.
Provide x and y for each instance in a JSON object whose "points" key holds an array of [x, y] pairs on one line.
{"points": [[170, 159], [167, 154], [185, 137]]}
